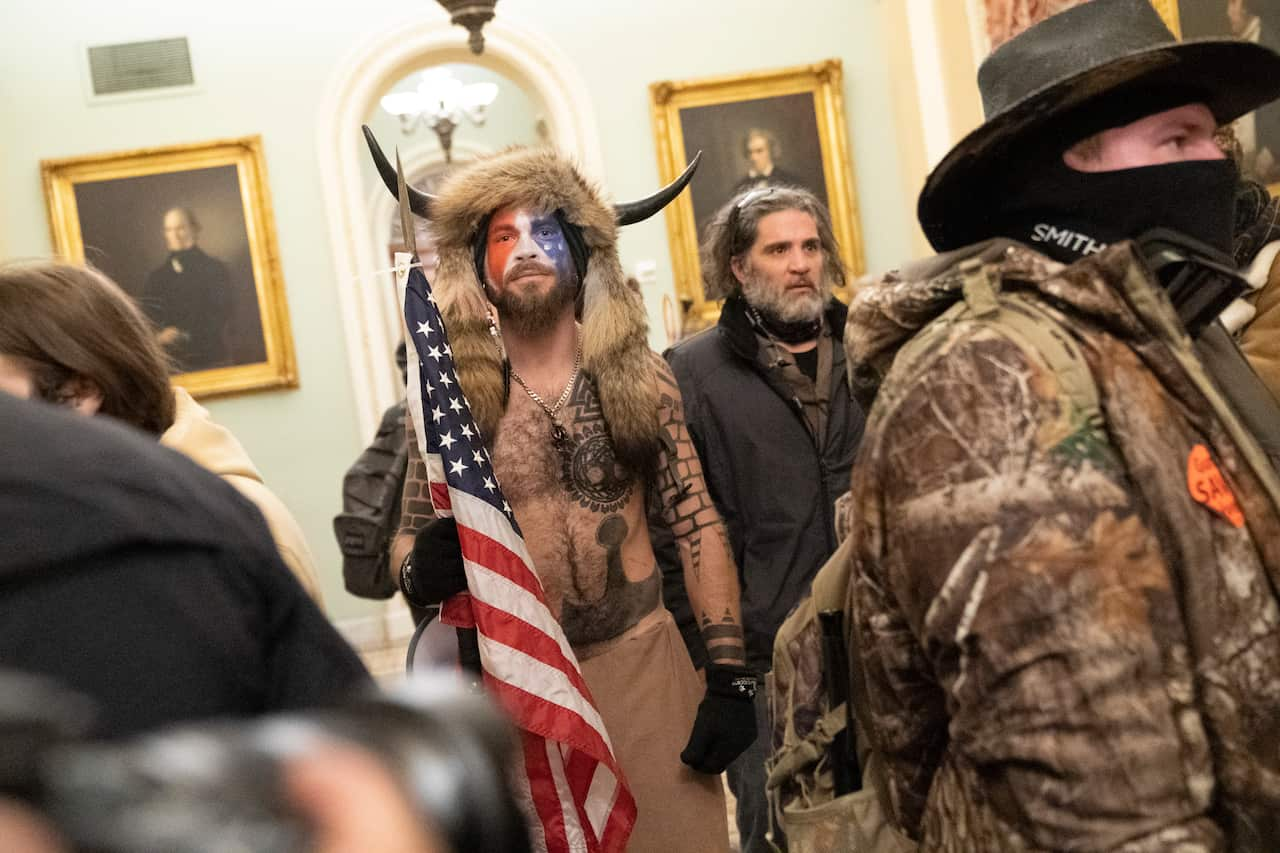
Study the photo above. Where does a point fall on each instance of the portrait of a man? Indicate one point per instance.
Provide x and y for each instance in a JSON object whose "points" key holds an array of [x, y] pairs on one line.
{"points": [[183, 253], [1257, 21], [188, 297], [753, 143], [763, 154], [186, 230], [756, 130]]}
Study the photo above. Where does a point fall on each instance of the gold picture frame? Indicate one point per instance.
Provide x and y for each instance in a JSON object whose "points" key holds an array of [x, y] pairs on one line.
{"points": [[717, 115], [124, 213], [1168, 10], [1257, 134]]}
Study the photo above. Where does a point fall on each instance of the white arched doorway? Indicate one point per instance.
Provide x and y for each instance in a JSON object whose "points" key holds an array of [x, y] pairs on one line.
{"points": [[527, 59]]}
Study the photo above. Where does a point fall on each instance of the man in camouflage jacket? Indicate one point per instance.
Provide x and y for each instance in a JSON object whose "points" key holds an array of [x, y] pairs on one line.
{"points": [[1067, 544]]}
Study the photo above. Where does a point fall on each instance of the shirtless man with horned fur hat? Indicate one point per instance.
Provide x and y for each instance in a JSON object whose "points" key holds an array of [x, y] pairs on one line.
{"points": [[584, 425]]}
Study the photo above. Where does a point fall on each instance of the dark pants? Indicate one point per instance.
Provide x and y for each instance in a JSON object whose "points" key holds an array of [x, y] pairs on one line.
{"points": [[746, 777]]}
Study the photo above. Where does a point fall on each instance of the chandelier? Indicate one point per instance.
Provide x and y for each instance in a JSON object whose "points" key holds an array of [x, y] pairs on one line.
{"points": [[440, 102], [472, 14]]}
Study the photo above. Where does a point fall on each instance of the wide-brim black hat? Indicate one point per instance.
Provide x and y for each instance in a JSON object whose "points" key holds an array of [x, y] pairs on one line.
{"points": [[1051, 76]]}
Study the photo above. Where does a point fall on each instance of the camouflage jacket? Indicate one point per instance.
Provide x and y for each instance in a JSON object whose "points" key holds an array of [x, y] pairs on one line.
{"points": [[1069, 624]]}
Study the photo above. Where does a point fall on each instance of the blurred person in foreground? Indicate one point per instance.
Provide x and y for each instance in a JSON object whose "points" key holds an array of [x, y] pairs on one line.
{"points": [[146, 583], [69, 335], [423, 766], [349, 799], [1066, 537]]}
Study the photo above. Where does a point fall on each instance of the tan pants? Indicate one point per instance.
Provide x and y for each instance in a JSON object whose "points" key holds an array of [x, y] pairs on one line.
{"points": [[648, 694]]}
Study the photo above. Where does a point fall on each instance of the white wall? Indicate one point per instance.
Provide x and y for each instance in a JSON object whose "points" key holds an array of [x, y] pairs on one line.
{"points": [[263, 68]]}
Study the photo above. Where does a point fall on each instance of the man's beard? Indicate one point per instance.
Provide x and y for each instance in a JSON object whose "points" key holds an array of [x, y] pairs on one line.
{"points": [[786, 306], [528, 314]]}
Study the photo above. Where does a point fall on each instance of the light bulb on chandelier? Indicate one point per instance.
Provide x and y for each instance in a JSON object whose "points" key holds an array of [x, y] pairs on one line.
{"points": [[440, 102]]}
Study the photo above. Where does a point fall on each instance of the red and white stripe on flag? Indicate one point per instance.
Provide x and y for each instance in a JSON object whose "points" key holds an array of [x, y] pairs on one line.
{"points": [[578, 791]]}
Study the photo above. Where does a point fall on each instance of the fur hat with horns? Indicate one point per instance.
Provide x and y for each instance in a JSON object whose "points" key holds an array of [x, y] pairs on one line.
{"points": [[615, 349]]}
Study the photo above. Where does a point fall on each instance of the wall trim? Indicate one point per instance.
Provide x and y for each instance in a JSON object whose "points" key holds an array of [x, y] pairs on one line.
{"points": [[523, 56], [926, 53]]}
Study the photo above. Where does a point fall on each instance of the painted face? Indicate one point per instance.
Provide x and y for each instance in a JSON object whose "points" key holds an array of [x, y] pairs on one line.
{"points": [[179, 234], [783, 273], [527, 249], [532, 279]]}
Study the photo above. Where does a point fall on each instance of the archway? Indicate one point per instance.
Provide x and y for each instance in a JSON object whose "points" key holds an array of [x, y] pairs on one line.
{"points": [[527, 59]]}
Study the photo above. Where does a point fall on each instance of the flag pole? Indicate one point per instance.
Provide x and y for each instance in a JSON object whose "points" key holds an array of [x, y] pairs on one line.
{"points": [[468, 639]]}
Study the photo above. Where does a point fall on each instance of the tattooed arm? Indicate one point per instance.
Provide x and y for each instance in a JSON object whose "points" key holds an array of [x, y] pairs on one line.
{"points": [[415, 503], [710, 575]]}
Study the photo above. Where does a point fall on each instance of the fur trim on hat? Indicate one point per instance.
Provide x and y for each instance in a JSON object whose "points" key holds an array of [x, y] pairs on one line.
{"points": [[615, 350]]}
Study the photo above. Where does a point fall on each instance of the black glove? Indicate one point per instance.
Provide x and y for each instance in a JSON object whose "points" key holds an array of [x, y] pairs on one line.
{"points": [[433, 570], [726, 722]]}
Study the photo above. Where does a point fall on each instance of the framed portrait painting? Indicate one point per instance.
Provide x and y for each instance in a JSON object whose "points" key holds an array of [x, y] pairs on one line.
{"points": [[764, 128], [187, 232], [1257, 21]]}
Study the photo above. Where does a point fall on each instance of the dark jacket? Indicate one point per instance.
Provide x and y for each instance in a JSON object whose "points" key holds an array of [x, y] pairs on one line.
{"points": [[135, 577], [763, 469], [196, 301]]}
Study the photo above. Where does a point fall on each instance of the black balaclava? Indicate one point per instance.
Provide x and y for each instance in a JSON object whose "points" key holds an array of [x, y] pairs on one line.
{"points": [[1068, 214]]}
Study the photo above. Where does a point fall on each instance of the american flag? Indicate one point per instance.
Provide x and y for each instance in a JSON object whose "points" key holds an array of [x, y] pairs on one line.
{"points": [[578, 792]]}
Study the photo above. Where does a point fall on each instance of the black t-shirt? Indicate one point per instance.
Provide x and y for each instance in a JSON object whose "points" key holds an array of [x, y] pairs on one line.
{"points": [[132, 575], [807, 361]]}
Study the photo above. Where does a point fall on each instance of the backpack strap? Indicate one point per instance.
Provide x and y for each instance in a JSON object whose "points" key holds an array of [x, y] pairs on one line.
{"points": [[876, 771], [1037, 328], [1021, 317]]}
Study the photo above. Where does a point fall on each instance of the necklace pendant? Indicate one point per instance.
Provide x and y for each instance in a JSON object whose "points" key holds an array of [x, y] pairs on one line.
{"points": [[561, 441], [559, 436]]}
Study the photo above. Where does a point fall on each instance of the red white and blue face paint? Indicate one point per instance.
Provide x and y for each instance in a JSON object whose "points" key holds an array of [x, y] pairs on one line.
{"points": [[523, 246]]}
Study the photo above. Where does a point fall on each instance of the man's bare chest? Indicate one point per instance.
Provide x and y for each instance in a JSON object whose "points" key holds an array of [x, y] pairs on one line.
{"points": [[573, 466]]}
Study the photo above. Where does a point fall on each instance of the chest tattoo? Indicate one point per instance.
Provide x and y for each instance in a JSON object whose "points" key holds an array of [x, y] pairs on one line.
{"points": [[590, 471], [622, 603]]}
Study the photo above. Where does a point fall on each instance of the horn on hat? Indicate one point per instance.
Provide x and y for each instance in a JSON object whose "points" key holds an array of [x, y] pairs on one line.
{"points": [[631, 212], [419, 202]]}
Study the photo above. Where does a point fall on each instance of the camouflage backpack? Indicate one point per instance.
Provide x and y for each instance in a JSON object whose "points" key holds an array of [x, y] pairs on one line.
{"points": [[819, 744], [814, 740]]}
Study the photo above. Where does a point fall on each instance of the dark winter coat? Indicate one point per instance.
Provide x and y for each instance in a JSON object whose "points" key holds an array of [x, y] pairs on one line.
{"points": [[763, 467], [1068, 619]]}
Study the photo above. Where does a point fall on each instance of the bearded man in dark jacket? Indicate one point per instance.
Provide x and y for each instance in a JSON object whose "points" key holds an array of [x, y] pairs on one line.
{"points": [[769, 410]]}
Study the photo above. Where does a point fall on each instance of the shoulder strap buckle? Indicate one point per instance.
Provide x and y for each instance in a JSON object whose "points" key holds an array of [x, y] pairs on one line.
{"points": [[980, 287]]}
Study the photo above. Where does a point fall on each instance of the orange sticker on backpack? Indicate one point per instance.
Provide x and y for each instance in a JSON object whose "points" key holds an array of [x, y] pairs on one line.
{"points": [[1209, 487]]}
